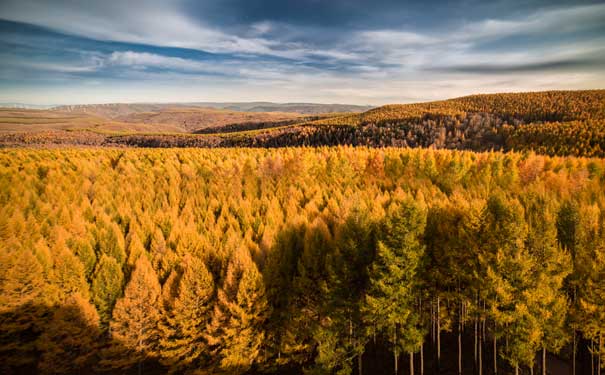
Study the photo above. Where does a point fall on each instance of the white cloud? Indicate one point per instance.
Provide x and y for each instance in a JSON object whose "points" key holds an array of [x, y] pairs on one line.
{"points": [[366, 66], [144, 59], [559, 20]]}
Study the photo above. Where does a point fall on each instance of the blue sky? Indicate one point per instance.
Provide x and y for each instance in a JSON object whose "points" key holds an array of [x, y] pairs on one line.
{"points": [[345, 51]]}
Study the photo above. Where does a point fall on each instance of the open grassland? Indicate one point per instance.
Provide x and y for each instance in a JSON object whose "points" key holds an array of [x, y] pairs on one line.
{"points": [[30, 121]]}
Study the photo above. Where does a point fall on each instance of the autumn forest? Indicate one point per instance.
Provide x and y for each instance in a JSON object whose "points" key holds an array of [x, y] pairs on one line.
{"points": [[344, 260]]}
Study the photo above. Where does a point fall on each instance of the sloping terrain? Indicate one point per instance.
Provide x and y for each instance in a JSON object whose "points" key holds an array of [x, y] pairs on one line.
{"points": [[117, 110], [552, 122], [191, 119], [30, 120]]}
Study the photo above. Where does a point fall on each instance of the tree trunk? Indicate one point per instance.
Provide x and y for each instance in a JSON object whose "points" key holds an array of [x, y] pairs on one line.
{"points": [[480, 356], [395, 348], [411, 363], [516, 369], [600, 353], [438, 337], [573, 354], [433, 323], [591, 350], [475, 344], [543, 361], [360, 364], [460, 341], [422, 359], [495, 354]]}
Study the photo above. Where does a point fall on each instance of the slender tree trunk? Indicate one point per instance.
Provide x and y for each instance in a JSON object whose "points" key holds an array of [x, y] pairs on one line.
{"points": [[411, 363], [459, 351], [360, 364], [575, 347], [438, 337], [460, 340], [543, 361], [516, 369], [573, 354], [475, 344], [480, 356], [422, 359], [395, 348], [374, 334], [591, 350], [531, 369], [432, 322], [600, 352], [495, 353]]}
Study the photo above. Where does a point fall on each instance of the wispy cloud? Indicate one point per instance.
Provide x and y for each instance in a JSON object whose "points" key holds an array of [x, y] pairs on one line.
{"points": [[144, 42]]}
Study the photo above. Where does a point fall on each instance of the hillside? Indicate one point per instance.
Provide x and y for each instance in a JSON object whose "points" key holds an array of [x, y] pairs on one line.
{"points": [[552, 123], [35, 121], [168, 120], [193, 119], [116, 110]]}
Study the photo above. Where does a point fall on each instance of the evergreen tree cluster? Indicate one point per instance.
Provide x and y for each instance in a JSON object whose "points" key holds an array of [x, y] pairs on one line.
{"points": [[299, 259]]}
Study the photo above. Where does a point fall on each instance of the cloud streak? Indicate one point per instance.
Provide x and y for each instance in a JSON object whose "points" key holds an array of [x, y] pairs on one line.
{"points": [[172, 44]]}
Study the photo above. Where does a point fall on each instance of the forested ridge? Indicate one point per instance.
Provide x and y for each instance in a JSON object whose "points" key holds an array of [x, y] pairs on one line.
{"points": [[556, 123], [316, 260]]}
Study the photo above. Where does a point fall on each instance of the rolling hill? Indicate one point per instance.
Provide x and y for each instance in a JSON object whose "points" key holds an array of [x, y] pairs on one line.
{"points": [[551, 122], [117, 110]]}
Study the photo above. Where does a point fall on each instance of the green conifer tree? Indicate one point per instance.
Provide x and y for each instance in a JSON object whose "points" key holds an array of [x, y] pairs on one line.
{"points": [[135, 319], [240, 315], [184, 326], [394, 277], [107, 285]]}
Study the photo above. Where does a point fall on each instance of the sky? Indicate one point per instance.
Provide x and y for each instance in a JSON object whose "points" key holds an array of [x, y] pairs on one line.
{"points": [[326, 51]]}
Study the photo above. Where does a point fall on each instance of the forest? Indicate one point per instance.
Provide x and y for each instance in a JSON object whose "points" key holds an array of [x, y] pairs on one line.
{"points": [[325, 260], [555, 123]]}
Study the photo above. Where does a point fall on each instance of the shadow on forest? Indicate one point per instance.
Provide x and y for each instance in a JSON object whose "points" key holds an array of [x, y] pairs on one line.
{"points": [[27, 346], [37, 339]]}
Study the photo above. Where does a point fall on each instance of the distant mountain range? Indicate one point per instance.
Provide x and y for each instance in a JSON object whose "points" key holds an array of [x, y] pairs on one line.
{"points": [[114, 110], [25, 106]]}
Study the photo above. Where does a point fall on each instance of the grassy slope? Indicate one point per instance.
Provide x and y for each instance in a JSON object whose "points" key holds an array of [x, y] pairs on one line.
{"points": [[29, 120]]}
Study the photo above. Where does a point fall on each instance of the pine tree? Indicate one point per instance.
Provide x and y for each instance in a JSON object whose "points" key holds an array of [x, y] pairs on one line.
{"points": [[111, 242], [71, 339], [304, 312], [163, 258], [106, 287], [342, 336], [390, 300], [134, 251], [240, 314], [85, 252], [68, 273], [549, 302], [134, 325], [280, 272], [184, 327], [590, 309], [510, 281], [22, 306]]}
